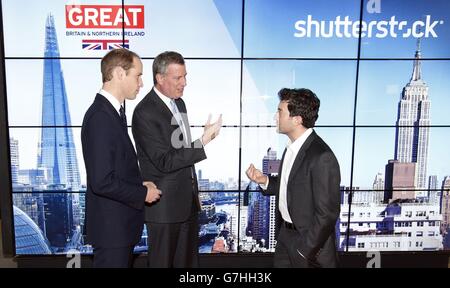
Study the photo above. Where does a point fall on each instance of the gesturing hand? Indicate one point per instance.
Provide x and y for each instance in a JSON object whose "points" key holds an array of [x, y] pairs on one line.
{"points": [[211, 131], [256, 175]]}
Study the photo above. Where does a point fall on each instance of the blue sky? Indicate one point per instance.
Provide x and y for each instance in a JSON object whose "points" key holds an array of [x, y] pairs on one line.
{"points": [[411, 10]]}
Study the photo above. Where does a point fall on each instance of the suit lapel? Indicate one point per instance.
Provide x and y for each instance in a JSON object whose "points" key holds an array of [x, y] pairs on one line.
{"points": [[296, 165], [109, 108], [300, 156], [162, 106], [113, 113], [168, 112]]}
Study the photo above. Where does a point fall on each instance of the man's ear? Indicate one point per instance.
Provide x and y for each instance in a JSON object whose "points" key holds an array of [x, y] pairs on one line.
{"points": [[298, 120], [118, 72], [159, 77]]}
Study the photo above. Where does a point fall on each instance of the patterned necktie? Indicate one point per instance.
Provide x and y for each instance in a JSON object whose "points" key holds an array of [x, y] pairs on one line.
{"points": [[123, 117], [177, 115]]}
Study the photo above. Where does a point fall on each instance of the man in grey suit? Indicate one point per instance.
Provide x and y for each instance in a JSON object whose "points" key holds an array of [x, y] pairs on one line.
{"points": [[306, 188], [167, 155]]}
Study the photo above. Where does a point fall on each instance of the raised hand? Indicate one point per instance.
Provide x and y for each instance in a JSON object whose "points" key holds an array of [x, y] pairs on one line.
{"points": [[256, 175], [211, 131]]}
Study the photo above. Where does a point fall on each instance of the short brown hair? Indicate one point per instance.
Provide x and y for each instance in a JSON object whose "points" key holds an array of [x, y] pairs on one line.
{"points": [[116, 58]]}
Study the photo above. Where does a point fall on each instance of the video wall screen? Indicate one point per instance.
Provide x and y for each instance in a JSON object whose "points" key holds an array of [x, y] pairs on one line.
{"points": [[380, 68]]}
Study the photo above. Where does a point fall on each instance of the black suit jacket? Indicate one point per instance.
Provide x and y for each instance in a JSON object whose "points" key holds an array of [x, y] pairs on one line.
{"points": [[115, 195], [313, 200], [170, 168]]}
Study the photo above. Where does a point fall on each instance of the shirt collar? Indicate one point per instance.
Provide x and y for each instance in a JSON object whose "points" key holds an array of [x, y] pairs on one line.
{"points": [[163, 97], [298, 143], [113, 100]]}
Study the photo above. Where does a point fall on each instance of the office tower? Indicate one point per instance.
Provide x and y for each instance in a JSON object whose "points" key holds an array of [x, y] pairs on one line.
{"points": [[57, 148], [57, 151], [434, 194], [412, 135], [14, 151], [399, 182], [58, 219], [378, 187], [445, 206], [262, 211]]}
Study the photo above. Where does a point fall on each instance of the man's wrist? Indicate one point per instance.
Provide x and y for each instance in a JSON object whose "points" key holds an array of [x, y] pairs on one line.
{"points": [[204, 140], [265, 184]]}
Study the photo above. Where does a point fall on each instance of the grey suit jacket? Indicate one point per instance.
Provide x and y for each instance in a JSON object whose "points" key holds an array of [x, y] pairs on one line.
{"points": [[170, 168]]}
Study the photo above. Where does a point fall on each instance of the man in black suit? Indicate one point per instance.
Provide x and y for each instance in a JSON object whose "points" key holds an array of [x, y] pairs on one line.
{"points": [[167, 156], [115, 193], [306, 188]]}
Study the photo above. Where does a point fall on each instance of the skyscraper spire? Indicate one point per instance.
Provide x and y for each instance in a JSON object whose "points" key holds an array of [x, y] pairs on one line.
{"points": [[417, 69], [57, 149], [51, 41]]}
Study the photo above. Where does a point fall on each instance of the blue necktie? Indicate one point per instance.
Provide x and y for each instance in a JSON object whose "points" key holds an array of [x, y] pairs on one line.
{"points": [[177, 115]]}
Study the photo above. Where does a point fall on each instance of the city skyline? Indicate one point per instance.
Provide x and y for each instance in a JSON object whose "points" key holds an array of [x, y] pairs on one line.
{"points": [[377, 91], [437, 147], [46, 148]]}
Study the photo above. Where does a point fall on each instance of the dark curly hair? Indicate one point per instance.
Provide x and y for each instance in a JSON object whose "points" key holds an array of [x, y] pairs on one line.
{"points": [[301, 102]]}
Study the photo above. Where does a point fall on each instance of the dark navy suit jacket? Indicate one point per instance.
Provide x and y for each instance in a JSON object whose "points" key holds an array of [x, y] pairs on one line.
{"points": [[115, 196]]}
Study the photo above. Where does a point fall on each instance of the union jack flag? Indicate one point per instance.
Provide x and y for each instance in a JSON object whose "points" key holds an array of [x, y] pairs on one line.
{"points": [[104, 44]]}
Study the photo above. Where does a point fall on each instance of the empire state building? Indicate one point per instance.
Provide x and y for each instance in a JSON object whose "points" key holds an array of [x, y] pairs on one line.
{"points": [[413, 120]]}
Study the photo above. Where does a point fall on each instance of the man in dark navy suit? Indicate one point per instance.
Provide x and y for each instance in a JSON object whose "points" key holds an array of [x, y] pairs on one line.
{"points": [[115, 194]]}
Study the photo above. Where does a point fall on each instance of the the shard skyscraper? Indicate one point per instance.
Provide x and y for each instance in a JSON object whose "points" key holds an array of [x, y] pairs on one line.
{"points": [[57, 154], [57, 149], [413, 132]]}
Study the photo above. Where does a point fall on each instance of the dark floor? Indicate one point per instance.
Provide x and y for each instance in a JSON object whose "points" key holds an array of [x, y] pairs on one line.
{"points": [[347, 260]]}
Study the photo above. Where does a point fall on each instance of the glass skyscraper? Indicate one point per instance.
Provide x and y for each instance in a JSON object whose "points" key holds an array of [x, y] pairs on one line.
{"points": [[57, 149], [57, 152]]}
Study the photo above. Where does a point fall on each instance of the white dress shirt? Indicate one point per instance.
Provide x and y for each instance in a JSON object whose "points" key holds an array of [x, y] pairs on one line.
{"points": [[292, 150], [113, 100]]}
